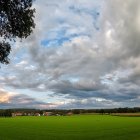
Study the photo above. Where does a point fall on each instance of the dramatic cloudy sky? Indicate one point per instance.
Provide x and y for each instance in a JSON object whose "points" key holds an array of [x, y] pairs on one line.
{"points": [[82, 54]]}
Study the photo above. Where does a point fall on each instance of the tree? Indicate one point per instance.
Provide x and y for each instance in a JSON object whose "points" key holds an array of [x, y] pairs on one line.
{"points": [[16, 20]]}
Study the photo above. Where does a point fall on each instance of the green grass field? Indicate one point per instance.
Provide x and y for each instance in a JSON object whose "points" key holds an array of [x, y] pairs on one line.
{"points": [[82, 127]]}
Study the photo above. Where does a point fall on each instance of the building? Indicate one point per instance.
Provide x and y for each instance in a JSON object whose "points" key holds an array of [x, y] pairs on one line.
{"points": [[47, 113], [69, 113], [37, 114], [17, 114]]}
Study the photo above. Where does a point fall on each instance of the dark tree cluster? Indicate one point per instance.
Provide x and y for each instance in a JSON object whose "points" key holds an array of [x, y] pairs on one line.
{"points": [[16, 20], [100, 111], [6, 113]]}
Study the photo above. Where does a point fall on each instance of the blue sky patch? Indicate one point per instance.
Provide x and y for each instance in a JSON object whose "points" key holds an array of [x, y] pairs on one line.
{"points": [[60, 37]]}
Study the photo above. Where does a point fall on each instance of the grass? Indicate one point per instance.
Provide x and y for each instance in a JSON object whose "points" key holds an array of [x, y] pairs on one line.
{"points": [[82, 127], [127, 114]]}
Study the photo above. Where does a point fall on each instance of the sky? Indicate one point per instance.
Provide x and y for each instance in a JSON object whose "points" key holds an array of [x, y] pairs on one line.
{"points": [[82, 54]]}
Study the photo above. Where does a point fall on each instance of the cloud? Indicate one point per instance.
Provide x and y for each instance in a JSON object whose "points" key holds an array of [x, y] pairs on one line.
{"points": [[81, 49], [4, 96], [14, 100]]}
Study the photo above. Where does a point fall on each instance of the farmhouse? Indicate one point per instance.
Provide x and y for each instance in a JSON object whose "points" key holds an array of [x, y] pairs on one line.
{"points": [[47, 113], [37, 114], [17, 114], [69, 113]]}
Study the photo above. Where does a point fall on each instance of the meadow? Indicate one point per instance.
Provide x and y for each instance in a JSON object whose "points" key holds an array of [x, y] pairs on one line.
{"points": [[76, 127]]}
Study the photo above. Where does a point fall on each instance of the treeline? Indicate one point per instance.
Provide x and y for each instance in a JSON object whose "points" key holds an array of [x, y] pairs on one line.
{"points": [[107, 111], [101, 111], [8, 112]]}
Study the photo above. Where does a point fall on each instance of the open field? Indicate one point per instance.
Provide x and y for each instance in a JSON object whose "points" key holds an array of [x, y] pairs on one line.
{"points": [[82, 127], [127, 114]]}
